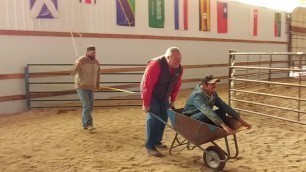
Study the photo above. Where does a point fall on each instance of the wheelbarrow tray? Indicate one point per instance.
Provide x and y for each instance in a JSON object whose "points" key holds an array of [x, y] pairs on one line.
{"points": [[198, 132]]}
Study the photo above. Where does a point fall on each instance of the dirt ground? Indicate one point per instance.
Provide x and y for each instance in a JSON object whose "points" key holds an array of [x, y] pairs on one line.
{"points": [[54, 140]]}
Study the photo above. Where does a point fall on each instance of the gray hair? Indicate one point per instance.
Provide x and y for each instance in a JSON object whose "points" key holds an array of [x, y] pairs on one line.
{"points": [[171, 50]]}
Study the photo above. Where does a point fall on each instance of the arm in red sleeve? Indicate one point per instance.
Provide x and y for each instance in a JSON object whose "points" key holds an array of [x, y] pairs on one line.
{"points": [[176, 88], [149, 80]]}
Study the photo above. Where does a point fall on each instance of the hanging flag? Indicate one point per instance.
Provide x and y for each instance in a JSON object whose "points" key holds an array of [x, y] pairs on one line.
{"points": [[88, 1], [181, 14], [222, 16], [44, 9], [204, 15], [277, 24], [156, 13], [254, 22], [125, 12]]}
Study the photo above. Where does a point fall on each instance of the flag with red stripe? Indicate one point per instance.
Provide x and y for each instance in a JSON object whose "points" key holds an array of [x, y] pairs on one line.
{"points": [[88, 1], [254, 21], [222, 12], [181, 14]]}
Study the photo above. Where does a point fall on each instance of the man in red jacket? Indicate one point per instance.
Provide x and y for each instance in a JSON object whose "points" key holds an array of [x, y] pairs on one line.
{"points": [[161, 81]]}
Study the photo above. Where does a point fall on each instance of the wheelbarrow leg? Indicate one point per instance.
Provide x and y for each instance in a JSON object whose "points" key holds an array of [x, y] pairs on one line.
{"points": [[178, 143], [236, 147], [227, 147], [228, 153], [172, 145]]}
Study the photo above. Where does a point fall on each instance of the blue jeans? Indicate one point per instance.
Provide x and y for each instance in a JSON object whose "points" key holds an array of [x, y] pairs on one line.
{"points": [[155, 128], [201, 117], [87, 98]]}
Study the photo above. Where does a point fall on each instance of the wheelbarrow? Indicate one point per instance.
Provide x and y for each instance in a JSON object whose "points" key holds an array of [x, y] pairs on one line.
{"points": [[194, 133]]}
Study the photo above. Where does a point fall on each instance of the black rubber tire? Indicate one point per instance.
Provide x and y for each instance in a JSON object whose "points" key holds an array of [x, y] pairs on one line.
{"points": [[208, 160]]}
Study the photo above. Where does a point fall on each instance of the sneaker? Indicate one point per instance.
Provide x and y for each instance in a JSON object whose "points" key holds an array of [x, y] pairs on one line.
{"points": [[161, 145], [90, 128], [155, 152]]}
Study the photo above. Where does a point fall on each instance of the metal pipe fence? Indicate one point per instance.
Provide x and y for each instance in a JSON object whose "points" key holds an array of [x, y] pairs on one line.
{"points": [[40, 87], [279, 92], [45, 84]]}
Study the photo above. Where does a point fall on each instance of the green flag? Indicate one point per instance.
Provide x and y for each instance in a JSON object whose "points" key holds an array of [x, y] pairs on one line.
{"points": [[156, 13], [277, 24]]}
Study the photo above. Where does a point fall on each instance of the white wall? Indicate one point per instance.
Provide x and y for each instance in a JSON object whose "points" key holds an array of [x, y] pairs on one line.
{"points": [[17, 51]]}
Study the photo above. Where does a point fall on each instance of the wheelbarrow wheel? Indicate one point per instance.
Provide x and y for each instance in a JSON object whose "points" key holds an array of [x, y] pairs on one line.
{"points": [[210, 161]]}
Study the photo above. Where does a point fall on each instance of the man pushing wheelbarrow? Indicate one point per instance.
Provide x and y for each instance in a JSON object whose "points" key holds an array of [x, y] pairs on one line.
{"points": [[161, 80], [200, 123]]}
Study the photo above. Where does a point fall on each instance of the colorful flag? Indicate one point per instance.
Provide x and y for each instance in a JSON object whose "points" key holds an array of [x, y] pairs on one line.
{"points": [[277, 24], [222, 16], [181, 14], [254, 22], [44, 9], [125, 12], [156, 13], [204, 15], [88, 1]]}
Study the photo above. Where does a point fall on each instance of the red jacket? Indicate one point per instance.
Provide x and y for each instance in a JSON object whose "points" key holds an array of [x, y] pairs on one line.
{"points": [[151, 76]]}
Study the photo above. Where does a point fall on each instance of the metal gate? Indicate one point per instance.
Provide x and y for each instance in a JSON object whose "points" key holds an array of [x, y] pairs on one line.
{"points": [[265, 83], [51, 86]]}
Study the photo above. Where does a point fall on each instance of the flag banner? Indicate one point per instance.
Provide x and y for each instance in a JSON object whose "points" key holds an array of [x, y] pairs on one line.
{"points": [[181, 14], [44, 9], [204, 15], [125, 12], [88, 1], [222, 16], [156, 13], [254, 22], [277, 24]]}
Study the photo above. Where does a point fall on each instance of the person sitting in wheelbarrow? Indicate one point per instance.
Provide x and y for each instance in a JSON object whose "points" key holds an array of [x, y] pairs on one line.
{"points": [[201, 101]]}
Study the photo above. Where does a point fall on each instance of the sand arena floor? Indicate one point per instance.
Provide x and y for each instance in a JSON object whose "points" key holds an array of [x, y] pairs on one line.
{"points": [[53, 140]]}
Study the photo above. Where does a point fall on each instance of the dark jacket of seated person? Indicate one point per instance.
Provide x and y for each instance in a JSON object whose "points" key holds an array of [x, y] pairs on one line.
{"points": [[201, 101]]}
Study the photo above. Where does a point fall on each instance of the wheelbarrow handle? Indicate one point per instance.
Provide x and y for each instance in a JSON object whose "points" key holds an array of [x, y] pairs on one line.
{"points": [[161, 120]]}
